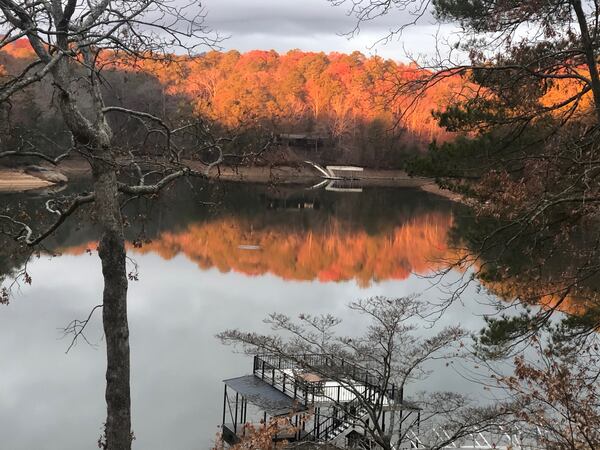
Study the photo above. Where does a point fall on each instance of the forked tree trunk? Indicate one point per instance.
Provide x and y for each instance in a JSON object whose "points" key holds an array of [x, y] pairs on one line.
{"points": [[114, 316]]}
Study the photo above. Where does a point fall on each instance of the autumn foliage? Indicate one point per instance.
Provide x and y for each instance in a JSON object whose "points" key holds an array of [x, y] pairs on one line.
{"points": [[332, 253], [556, 397], [303, 91], [350, 99]]}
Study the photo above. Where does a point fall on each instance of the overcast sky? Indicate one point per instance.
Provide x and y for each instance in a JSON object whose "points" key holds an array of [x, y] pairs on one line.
{"points": [[314, 25]]}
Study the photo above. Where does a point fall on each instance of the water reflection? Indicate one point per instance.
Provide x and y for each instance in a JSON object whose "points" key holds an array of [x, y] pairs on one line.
{"points": [[333, 253], [526, 265], [326, 237], [195, 280]]}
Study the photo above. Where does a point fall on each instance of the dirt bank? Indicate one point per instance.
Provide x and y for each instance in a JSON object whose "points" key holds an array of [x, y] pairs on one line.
{"points": [[14, 180]]}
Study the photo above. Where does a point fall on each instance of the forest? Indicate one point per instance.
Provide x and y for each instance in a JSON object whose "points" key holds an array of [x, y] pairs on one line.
{"points": [[348, 100]]}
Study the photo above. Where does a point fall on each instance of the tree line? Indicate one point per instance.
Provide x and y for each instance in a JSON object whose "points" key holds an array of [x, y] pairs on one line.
{"points": [[347, 99]]}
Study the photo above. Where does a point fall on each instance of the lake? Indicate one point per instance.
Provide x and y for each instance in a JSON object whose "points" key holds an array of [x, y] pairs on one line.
{"points": [[212, 257]]}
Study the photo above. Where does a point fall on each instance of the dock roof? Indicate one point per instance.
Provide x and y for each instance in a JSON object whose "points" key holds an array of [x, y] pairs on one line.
{"points": [[263, 395]]}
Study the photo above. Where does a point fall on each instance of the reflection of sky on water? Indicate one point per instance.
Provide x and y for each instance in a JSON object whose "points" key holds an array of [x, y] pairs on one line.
{"points": [[49, 400]]}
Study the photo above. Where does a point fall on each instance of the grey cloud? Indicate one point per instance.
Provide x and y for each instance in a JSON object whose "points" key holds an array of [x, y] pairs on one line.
{"points": [[310, 25]]}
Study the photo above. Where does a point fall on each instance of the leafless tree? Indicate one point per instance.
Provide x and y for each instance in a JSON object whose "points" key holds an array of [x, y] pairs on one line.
{"points": [[69, 39], [375, 369]]}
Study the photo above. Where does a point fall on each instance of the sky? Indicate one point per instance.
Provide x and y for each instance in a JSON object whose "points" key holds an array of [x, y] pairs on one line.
{"points": [[315, 25]]}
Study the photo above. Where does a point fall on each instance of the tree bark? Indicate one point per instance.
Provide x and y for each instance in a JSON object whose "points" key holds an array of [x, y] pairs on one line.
{"points": [[114, 315], [590, 54], [95, 138]]}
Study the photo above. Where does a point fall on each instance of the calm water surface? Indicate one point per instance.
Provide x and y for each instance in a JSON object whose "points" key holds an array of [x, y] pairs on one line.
{"points": [[215, 257]]}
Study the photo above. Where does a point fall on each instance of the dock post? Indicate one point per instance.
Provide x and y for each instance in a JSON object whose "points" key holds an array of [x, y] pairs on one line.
{"points": [[317, 423], [224, 403], [237, 395]]}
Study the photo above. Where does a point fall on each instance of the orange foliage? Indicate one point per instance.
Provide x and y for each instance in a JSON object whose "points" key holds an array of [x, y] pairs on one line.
{"points": [[548, 295], [335, 253], [270, 435], [307, 91], [563, 89], [19, 49], [329, 93], [298, 91]]}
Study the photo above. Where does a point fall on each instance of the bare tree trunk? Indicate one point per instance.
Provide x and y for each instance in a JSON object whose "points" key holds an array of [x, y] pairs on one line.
{"points": [[95, 138], [114, 316], [590, 54]]}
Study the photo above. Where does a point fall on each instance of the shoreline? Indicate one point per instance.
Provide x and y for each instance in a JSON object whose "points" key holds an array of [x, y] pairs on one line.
{"points": [[17, 181]]}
